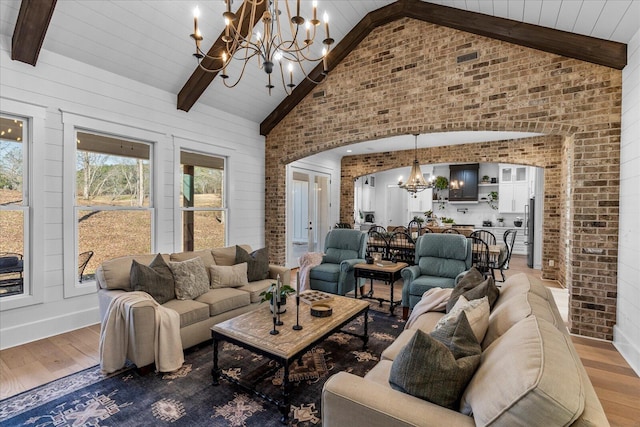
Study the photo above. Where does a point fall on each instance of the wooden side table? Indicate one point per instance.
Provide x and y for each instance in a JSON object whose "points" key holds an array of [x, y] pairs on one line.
{"points": [[387, 273]]}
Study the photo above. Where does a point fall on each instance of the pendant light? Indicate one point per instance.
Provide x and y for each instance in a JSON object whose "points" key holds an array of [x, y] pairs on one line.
{"points": [[416, 182]]}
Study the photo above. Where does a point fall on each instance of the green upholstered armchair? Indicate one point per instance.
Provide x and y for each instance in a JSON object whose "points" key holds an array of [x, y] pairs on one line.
{"points": [[343, 249], [441, 259]]}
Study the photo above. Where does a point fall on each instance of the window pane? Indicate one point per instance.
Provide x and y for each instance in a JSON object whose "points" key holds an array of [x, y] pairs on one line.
{"points": [[11, 252], [203, 229], [110, 234], [202, 181], [11, 161], [111, 172]]}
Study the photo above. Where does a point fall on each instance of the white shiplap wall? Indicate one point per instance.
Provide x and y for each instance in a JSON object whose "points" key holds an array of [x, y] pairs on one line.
{"points": [[61, 84], [627, 329]]}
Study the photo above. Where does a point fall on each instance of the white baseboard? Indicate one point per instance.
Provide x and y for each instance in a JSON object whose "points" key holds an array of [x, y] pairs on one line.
{"points": [[627, 348], [45, 328]]}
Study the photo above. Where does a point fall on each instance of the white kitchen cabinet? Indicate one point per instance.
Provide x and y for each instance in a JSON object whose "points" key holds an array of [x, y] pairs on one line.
{"points": [[421, 203], [513, 188], [368, 198]]}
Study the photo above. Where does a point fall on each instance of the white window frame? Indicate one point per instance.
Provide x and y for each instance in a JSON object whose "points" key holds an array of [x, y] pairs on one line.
{"points": [[35, 116], [185, 144], [72, 123]]}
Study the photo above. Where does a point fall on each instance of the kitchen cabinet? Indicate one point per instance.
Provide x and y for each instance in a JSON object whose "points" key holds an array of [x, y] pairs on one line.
{"points": [[368, 195], [463, 183], [513, 188], [421, 203]]}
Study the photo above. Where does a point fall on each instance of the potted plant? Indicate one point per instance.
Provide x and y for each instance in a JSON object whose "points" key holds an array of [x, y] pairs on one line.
{"points": [[440, 184], [492, 199], [284, 291], [485, 179], [446, 220], [500, 221]]}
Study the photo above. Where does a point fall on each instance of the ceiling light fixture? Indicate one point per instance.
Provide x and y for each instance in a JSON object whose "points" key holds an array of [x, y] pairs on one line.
{"points": [[273, 47], [416, 182]]}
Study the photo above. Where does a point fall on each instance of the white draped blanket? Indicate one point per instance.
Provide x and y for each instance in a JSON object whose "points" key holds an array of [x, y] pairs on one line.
{"points": [[435, 299], [114, 336], [306, 261]]}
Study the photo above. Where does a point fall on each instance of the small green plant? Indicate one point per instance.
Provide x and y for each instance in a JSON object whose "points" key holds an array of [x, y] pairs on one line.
{"points": [[418, 219], [440, 184], [446, 220], [492, 199], [284, 291], [428, 214]]}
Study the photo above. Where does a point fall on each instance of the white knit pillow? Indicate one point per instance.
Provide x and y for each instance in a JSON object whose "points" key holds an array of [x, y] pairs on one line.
{"points": [[191, 278]]}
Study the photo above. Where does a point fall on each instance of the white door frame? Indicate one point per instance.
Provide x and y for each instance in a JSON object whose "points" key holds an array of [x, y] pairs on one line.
{"points": [[316, 232]]}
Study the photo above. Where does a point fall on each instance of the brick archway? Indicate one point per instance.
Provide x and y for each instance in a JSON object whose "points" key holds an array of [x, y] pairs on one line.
{"points": [[410, 76]]}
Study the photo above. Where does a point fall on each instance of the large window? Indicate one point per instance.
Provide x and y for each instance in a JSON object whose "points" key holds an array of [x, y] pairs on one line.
{"points": [[14, 206], [113, 205], [202, 201]]}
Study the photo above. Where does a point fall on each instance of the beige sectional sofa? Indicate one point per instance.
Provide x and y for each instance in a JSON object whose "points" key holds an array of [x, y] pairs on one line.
{"points": [[196, 316], [529, 374]]}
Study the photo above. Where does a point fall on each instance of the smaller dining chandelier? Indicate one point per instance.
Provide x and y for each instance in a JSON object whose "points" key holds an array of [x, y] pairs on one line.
{"points": [[273, 48], [416, 182]]}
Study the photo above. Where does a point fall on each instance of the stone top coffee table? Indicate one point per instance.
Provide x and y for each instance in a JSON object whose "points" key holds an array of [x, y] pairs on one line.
{"points": [[252, 331]]}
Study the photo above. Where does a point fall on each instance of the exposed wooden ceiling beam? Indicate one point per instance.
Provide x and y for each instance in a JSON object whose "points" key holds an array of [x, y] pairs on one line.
{"points": [[200, 79], [31, 27], [590, 49]]}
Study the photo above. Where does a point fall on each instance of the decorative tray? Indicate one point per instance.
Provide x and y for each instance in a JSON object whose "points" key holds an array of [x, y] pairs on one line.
{"points": [[311, 297]]}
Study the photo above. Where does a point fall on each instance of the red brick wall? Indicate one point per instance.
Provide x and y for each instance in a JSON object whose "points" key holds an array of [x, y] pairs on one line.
{"points": [[414, 77]]}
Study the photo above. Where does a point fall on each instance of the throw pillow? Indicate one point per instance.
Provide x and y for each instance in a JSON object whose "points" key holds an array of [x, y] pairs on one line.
{"points": [[191, 278], [155, 279], [474, 289], [476, 311], [232, 276], [470, 280], [257, 263], [434, 370]]}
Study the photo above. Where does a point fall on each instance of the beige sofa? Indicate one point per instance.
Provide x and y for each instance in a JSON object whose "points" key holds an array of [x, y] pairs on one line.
{"points": [[196, 316], [529, 374]]}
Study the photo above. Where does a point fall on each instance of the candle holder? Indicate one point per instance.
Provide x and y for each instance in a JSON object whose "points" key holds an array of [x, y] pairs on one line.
{"points": [[297, 326], [278, 321], [274, 331]]}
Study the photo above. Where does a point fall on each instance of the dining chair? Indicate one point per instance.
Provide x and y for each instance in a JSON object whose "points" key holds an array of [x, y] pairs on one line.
{"points": [[342, 225], [450, 230], [509, 238], [377, 243], [402, 248], [415, 228], [480, 258], [485, 235]]}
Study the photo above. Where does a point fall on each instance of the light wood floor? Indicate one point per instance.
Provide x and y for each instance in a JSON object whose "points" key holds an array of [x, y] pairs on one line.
{"points": [[39, 362]]}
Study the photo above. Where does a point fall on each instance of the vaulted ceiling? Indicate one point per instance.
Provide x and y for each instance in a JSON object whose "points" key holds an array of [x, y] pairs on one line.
{"points": [[148, 40]]}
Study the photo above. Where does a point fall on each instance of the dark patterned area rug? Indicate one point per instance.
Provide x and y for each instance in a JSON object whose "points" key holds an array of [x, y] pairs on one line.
{"points": [[188, 398]]}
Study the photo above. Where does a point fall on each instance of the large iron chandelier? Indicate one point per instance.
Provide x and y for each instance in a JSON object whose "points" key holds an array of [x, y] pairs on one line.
{"points": [[416, 182], [273, 46]]}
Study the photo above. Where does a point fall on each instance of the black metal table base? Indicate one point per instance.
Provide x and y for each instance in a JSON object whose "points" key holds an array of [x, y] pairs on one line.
{"points": [[283, 404]]}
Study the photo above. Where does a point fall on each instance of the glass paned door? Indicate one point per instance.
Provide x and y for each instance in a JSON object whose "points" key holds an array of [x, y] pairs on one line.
{"points": [[309, 212]]}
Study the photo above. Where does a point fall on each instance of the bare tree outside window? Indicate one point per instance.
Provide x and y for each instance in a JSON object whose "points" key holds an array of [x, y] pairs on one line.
{"points": [[113, 204]]}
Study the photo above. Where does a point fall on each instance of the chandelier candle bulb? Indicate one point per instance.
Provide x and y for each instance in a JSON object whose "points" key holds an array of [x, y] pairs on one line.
{"points": [[196, 14], [315, 10], [326, 24]]}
